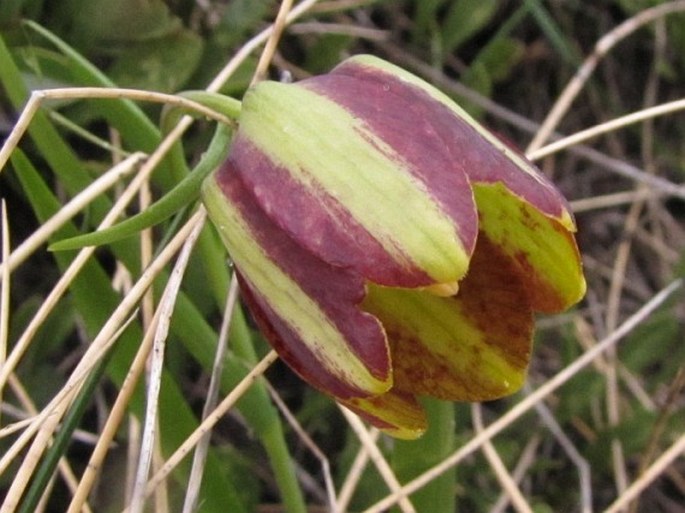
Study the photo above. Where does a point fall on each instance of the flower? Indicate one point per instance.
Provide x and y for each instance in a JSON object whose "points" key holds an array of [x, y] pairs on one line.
{"points": [[388, 246]]}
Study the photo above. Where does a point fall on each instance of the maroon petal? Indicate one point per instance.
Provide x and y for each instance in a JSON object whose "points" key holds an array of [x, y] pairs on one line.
{"points": [[353, 343]]}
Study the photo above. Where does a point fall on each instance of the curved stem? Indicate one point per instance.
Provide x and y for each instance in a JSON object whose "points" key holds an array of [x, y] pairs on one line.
{"points": [[181, 195]]}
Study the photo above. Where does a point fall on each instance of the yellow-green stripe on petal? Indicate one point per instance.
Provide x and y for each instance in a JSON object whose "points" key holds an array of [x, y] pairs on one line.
{"points": [[543, 248], [290, 303], [493, 161], [334, 156], [443, 352], [471, 347], [436, 94]]}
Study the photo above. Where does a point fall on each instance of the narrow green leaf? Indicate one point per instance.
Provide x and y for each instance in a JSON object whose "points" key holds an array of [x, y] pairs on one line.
{"points": [[95, 300], [551, 29], [162, 64], [10, 10], [425, 17], [103, 21], [57, 450], [239, 18], [135, 127], [464, 19], [48, 142], [192, 328], [59, 156], [183, 194], [142, 133]]}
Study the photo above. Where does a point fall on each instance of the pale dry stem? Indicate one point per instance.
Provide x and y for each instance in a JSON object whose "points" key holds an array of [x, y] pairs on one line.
{"points": [[228, 402], [118, 412], [74, 268], [382, 465], [200, 456], [271, 43], [38, 97], [584, 72], [507, 482], [604, 128], [57, 406], [78, 203], [584, 470], [621, 263], [528, 457], [355, 473], [29, 407], [309, 444], [652, 473], [4, 291], [46, 423], [167, 304], [620, 167]]}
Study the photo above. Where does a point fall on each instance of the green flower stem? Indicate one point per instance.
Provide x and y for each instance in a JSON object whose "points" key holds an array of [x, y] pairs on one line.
{"points": [[266, 421], [229, 107], [256, 404], [411, 458]]}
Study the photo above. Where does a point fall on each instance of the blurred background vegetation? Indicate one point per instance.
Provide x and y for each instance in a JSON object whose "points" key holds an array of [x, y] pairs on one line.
{"points": [[504, 61]]}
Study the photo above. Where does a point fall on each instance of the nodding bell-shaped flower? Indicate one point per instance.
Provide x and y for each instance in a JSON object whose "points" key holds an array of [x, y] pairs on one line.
{"points": [[388, 246]]}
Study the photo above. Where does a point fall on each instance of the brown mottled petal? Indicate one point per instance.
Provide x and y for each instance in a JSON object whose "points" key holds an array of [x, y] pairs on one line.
{"points": [[544, 250], [471, 347]]}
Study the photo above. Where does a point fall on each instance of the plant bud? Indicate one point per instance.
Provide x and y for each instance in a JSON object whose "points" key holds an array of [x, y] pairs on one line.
{"points": [[388, 245]]}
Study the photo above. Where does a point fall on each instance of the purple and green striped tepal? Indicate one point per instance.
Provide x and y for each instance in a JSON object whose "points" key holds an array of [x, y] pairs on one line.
{"points": [[388, 245]]}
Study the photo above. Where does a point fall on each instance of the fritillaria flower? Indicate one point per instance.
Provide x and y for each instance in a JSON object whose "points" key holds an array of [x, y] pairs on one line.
{"points": [[388, 246]]}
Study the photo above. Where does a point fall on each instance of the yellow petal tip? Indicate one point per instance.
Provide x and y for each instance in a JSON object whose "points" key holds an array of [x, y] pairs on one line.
{"points": [[443, 289]]}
